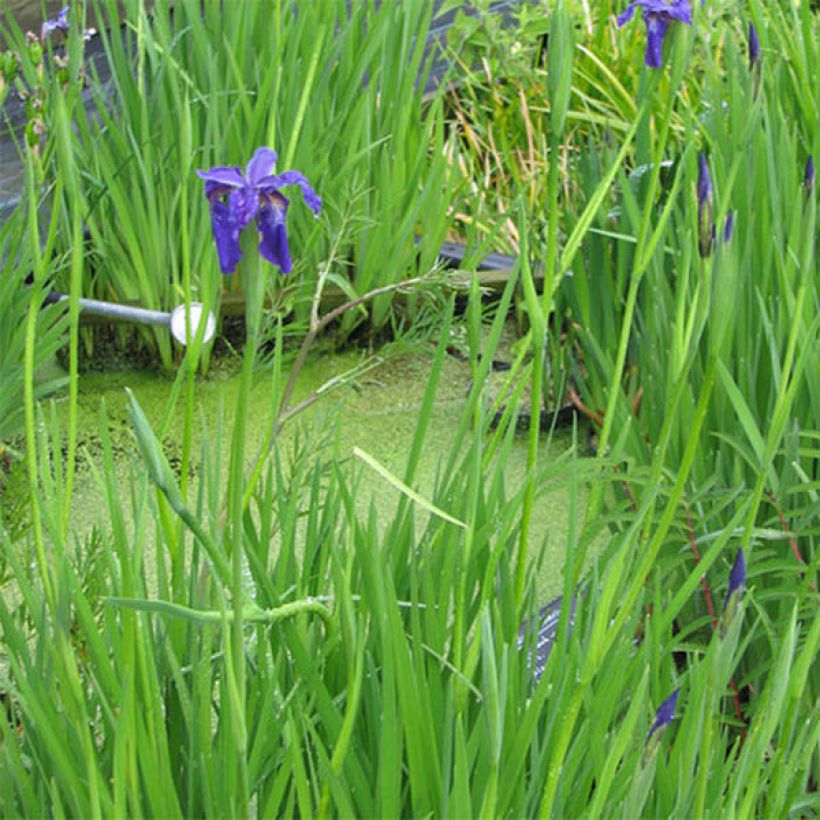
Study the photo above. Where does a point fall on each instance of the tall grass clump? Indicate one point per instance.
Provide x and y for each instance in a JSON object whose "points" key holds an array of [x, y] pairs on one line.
{"points": [[337, 91], [260, 640]]}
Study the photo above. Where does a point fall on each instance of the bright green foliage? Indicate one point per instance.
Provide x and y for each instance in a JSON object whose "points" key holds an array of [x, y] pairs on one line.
{"points": [[338, 96], [51, 326], [281, 651]]}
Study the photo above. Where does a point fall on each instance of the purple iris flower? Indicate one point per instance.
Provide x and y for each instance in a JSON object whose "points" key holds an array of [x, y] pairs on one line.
{"points": [[58, 23], [706, 226], [657, 15], [664, 715], [61, 23], [235, 199]]}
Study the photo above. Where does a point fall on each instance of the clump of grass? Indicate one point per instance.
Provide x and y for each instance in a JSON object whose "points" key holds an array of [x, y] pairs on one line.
{"points": [[281, 653], [338, 95]]}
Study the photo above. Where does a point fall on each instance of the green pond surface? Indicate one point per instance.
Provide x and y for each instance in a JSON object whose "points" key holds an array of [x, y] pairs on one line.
{"points": [[377, 413]]}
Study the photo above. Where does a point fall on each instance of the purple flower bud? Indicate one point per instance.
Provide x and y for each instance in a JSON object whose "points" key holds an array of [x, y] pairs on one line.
{"points": [[754, 49], [729, 226], [809, 177], [706, 226], [734, 593], [737, 577], [664, 715], [704, 181]]}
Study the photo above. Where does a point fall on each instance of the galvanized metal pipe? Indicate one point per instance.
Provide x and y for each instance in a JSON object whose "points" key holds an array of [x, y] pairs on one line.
{"points": [[175, 321]]}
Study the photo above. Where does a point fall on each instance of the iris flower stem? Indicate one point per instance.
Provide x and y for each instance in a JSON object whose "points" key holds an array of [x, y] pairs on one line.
{"points": [[537, 390], [185, 248], [640, 264], [68, 173], [38, 267], [213, 617], [255, 290]]}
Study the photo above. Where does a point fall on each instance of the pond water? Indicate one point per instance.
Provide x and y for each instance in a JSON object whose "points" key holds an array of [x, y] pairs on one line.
{"points": [[377, 413]]}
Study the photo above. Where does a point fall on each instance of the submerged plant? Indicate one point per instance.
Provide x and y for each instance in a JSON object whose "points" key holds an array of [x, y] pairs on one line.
{"points": [[236, 198], [658, 16]]}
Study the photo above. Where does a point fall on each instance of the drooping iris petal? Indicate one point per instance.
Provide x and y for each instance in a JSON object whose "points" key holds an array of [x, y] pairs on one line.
{"points": [[625, 16], [312, 199], [226, 234], [270, 220], [656, 28], [261, 165]]}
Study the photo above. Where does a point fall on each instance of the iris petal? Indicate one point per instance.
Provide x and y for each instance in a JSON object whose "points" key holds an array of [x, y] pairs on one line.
{"points": [[244, 203], [260, 166], [230, 176], [625, 16], [270, 220], [657, 14], [656, 28], [274, 183], [681, 10], [226, 234]]}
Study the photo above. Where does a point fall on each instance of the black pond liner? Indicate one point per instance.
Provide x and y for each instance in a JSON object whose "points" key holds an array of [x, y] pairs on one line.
{"points": [[453, 254], [545, 626]]}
